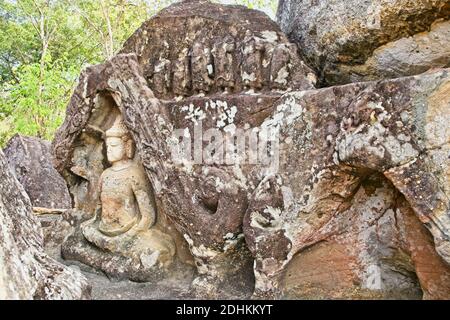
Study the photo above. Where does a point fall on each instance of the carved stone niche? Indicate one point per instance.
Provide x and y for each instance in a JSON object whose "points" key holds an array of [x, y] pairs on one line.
{"points": [[118, 227], [244, 215], [243, 65]]}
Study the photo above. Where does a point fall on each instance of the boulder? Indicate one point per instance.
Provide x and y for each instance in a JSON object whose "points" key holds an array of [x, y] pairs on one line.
{"points": [[194, 66], [351, 41], [228, 48], [26, 271], [258, 173], [31, 162], [332, 141]]}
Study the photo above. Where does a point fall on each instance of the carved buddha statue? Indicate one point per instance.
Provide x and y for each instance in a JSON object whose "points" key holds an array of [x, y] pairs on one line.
{"points": [[126, 212], [124, 189]]}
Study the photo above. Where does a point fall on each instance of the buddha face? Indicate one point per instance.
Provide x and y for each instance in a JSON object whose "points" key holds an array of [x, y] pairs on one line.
{"points": [[115, 149]]}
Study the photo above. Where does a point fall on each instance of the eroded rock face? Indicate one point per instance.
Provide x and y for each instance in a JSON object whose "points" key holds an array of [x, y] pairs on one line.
{"points": [[374, 248], [200, 47], [27, 272], [193, 79], [338, 171], [350, 41], [31, 162], [341, 135]]}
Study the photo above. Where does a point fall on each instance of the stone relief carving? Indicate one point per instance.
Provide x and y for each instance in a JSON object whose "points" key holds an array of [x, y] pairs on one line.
{"points": [[251, 71], [286, 213], [204, 208], [256, 62], [311, 207], [224, 62], [202, 68], [181, 78], [280, 66], [126, 213], [161, 73]]}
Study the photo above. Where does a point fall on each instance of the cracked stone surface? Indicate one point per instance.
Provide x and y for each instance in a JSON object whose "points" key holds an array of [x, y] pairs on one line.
{"points": [[31, 162], [27, 272], [360, 186], [343, 134], [350, 41]]}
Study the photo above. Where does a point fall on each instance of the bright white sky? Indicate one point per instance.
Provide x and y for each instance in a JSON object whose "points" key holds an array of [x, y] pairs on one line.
{"points": [[266, 7]]}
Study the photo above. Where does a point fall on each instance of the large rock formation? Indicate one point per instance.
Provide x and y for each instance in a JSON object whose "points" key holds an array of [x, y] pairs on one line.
{"points": [[253, 167], [26, 271], [197, 46], [349, 41], [377, 248], [324, 195], [31, 162], [201, 63]]}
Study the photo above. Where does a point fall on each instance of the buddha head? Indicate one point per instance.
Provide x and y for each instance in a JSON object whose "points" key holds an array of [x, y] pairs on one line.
{"points": [[119, 143]]}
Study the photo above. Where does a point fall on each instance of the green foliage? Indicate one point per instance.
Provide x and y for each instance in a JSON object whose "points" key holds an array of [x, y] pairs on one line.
{"points": [[26, 111], [44, 45]]}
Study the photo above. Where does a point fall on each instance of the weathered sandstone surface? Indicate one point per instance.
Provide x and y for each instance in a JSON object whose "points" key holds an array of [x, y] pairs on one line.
{"points": [[349, 41], [31, 162], [348, 196], [342, 136], [198, 63], [27, 272]]}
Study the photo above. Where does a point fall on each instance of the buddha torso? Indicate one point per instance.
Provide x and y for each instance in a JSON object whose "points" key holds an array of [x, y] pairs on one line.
{"points": [[120, 210]]}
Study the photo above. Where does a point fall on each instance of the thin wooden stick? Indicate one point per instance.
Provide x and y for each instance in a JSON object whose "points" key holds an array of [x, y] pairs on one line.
{"points": [[41, 211]]}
